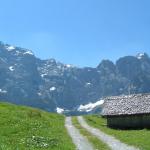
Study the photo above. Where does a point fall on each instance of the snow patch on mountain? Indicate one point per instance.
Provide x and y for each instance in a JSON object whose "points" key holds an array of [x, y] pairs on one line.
{"points": [[10, 48], [89, 107], [88, 83], [140, 55], [59, 110], [3, 91], [42, 75], [18, 53], [39, 93], [11, 68], [28, 53], [68, 65], [52, 88]]}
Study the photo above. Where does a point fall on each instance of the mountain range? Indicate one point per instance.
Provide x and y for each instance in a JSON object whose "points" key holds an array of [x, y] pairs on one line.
{"points": [[52, 85]]}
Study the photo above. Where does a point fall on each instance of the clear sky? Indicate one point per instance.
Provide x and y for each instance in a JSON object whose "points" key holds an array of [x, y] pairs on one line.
{"points": [[79, 32]]}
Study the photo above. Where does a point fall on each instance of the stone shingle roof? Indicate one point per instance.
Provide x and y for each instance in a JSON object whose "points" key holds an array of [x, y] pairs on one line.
{"points": [[127, 105]]}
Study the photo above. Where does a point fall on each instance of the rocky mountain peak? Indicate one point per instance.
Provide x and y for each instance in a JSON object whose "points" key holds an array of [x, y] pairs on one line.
{"points": [[107, 66], [16, 51]]}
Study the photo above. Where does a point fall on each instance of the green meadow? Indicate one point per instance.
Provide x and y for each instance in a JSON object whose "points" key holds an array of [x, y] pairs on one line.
{"points": [[25, 128]]}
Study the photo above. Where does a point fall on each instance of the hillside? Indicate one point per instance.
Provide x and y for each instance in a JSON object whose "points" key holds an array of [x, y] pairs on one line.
{"points": [[26, 128], [51, 85]]}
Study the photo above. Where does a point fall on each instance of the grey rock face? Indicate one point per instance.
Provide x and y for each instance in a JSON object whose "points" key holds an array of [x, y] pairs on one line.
{"points": [[47, 84]]}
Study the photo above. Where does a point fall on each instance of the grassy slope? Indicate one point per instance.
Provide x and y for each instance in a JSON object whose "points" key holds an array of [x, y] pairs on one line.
{"points": [[97, 144], [138, 138], [26, 128]]}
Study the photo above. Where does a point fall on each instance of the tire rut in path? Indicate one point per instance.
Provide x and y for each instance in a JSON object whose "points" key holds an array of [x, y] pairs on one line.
{"points": [[111, 141], [80, 141]]}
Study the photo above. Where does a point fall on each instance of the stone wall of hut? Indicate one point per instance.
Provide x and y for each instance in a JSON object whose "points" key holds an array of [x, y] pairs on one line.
{"points": [[132, 121]]}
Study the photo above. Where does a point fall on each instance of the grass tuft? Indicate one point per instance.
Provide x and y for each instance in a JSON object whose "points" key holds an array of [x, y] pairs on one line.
{"points": [[34, 114]]}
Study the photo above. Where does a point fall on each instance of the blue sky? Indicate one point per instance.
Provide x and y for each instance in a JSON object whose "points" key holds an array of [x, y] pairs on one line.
{"points": [[79, 32]]}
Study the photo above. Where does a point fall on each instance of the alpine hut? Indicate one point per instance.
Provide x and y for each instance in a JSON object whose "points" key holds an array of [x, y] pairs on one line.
{"points": [[132, 111]]}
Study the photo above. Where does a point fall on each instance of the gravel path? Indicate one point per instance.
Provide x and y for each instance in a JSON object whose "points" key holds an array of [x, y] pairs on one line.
{"points": [[80, 141], [113, 143]]}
